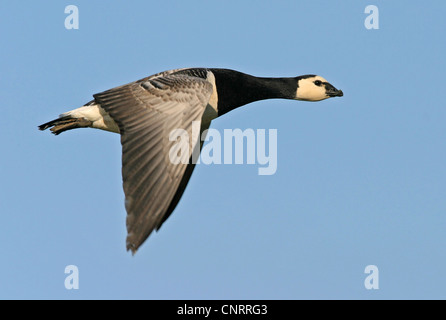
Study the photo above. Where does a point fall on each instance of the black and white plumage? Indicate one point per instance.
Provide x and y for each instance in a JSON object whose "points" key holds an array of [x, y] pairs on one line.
{"points": [[144, 112]]}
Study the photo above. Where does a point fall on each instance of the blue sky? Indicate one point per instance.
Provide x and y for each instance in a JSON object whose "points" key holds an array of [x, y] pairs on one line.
{"points": [[360, 180]]}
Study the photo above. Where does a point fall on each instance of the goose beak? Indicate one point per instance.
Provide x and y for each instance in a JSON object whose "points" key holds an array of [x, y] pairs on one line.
{"points": [[333, 92]]}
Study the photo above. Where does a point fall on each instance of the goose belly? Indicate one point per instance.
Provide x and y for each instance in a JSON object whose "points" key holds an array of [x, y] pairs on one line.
{"points": [[99, 118]]}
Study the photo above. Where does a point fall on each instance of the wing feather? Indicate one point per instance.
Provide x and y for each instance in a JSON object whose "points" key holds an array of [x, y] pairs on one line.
{"points": [[146, 111]]}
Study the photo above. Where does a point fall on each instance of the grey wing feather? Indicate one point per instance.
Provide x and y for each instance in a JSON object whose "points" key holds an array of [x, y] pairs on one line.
{"points": [[146, 111]]}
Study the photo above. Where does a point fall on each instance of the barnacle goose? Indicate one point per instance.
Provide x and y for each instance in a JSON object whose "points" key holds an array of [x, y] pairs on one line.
{"points": [[145, 111]]}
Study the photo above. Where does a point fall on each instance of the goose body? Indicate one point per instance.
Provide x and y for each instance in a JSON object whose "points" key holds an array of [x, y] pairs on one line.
{"points": [[144, 113]]}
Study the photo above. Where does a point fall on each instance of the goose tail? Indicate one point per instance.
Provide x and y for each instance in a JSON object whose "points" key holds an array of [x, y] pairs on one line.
{"points": [[64, 123]]}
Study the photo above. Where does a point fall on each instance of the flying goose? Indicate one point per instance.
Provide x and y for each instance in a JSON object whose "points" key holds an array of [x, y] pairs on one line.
{"points": [[144, 112]]}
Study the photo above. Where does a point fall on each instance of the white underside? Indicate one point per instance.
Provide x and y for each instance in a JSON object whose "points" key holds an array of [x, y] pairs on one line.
{"points": [[98, 116], [210, 112]]}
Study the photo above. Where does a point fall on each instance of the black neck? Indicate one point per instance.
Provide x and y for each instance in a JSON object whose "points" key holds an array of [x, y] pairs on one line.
{"points": [[236, 89]]}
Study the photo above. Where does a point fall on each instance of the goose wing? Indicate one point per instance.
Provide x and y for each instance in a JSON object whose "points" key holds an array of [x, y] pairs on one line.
{"points": [[147, 111]]}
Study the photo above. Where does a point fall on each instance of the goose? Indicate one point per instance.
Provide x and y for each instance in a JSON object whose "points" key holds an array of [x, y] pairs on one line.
{"points": [[145, 111]]}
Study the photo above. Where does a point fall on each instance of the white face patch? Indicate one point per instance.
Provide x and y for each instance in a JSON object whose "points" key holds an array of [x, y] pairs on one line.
{"points": [[307, 89]]}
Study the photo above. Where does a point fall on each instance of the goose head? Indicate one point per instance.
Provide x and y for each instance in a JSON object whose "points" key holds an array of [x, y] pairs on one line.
{"points": [[315, 88]]}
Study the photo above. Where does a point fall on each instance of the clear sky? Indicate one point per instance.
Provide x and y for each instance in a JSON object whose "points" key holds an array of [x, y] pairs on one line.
{"points": [[361, 180]]}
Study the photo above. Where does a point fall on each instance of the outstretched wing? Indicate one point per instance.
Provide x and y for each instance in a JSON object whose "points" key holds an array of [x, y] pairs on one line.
{"points": [[147, 111]]}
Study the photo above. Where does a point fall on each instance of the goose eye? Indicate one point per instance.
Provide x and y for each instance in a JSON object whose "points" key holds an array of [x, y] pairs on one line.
{"points": [[318, 82]]}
